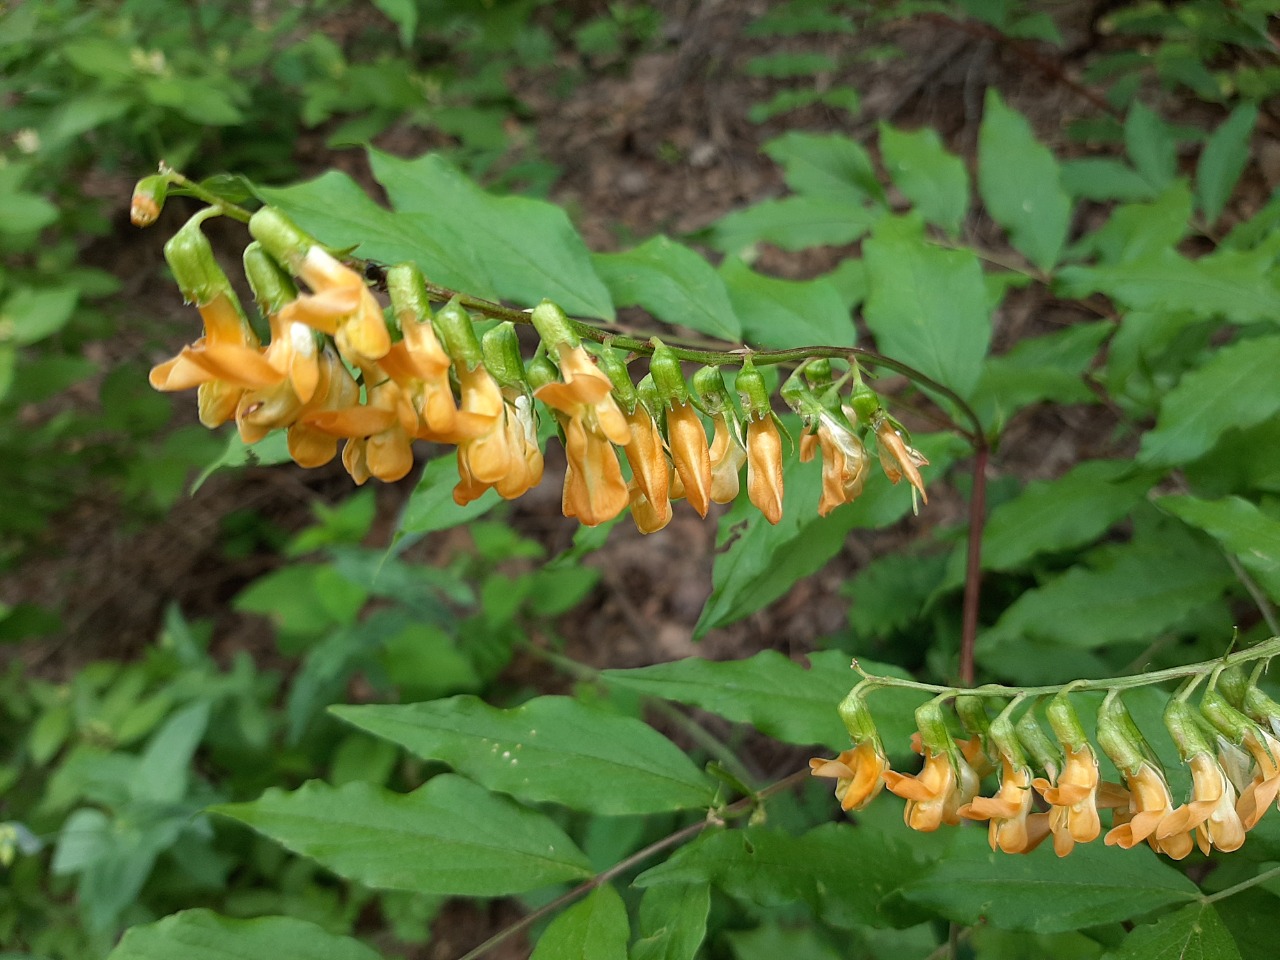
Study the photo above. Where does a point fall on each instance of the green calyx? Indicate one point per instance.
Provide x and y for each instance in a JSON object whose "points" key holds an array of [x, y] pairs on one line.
{"points": [[1037, 743], [408, 292], [752, 392], [281, 237], [1066, 723], [857, 718], [1119, 736], [1184, 727], [540, 371], [194, 267], [1226, 719], [272, 287], [615, 368], [458, 334], [866, 405], [501, 348], [553, 325], [668, 378], [708, 386]]}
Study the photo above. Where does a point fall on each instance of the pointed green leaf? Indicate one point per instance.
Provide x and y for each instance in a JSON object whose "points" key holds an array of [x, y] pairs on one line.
{"points": [[1242, 529], [1195, 932], [203, 935], [431, 506], [933, 179], [786, 313], [1018, 178], [828, 166], [673, 283], [551, 749], [673, 921], [1225, 154], [529, 246], [777, 696], [29, 315], [1151, 146], [794, 223], [1104, 178], [596, 928], [1049, 368], [1039, 892], [447, 837], [926, 306], [1235, 387]]}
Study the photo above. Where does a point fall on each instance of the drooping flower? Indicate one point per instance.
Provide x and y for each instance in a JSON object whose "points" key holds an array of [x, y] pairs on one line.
{"points": [[727, 457], [337, 390], [935, 795], [898, 459], [858, 772], [764, 467], [649, 492], [1260, 793], [1149, 804], [690, 454], [1211, 813], [844, 463], [1073, 799], [1013, 827]]}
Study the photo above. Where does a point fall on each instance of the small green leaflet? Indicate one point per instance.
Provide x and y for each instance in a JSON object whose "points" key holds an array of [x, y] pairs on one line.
{"points": [[1234, 388], [447, 837], [1151, 146], [673, 283], [829, 166], [933, 179], [271, 449], [204, 935], [1195, 932], [786, 313], [431, 506], [1225, 154], [1039, 892], [1242, 529], [794, 223], [1045, 368], [926, 306], [1104, 178], [1019, 181], [673, 921], [549, 749], [777, 696], [595, 928]]}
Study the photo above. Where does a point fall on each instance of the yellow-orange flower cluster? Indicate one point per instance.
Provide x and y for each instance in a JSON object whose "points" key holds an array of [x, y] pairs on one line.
{"points": [[335, 369], [1232, 783]]}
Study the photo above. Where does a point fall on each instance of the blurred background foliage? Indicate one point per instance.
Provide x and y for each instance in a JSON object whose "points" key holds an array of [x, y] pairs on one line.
{"points": [[171, 643]]}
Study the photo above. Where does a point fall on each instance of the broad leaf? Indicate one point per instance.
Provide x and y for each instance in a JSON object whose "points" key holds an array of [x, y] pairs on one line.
{"points": [[673, 283], [777, 696], [1104, 178], [447, 837], [841, 871], [1195, 932], [1225, 154], [1242, 529], [594, 929], [431, 506], [829, 166], [551, 749], [794, 223], [1235, 387], [673, 921], [926, 306], [204, 935], [934, 180], [1039, 892], [1151, 146], [530, 248], [786, 313], [1049, 368], [1018, 177]]}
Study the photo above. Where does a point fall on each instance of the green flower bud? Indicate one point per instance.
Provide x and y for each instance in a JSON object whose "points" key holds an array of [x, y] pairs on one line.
{"points": [[194, 268], [541, 371], [664, 367], [553, 325], [818, 373], [458, 334], [148, 199], [501, 347], [272, 287], [281, 237], [866, 404], [615, 368]]}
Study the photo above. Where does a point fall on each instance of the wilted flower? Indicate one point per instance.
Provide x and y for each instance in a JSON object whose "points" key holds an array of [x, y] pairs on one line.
{"points": [[727, 457], [898, 459]]}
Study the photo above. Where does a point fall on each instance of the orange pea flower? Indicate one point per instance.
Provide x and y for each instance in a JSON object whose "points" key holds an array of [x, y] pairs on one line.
{"points": [[935, 795], [1149, 804], [340, 305], [1210, 814], [1013, 827], [690, 454], [844, 464], [898, 459], [727, 457], [1260, 793], [764, 467], [649, 492], [858, 772], [1073, 800]]}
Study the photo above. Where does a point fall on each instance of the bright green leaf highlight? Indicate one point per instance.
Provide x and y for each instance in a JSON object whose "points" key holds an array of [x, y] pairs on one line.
{"points": [[595, 928], [1019, 181], [927, 306], [448, 837], [1195, 932], [552, 749], [1235, 387], [786, 313], [795, 223], [203, 935], [828, 166], [1241, 528], [673, 283], [934, 180]]}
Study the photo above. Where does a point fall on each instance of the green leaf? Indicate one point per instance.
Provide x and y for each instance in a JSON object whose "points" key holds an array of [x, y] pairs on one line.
{"points": [[1235, 387], [549, 749], [794, 223], [761, 561], [789, 64], [29, 315], [786, 313], [933, 179], [1242, 529], [1225, 154], [530, 248], [827, 166], [1049, 368], [673, 921], [1104, 178], [431, 506], [204, 935], [196, 100], [841, 871], [926, 306], [777, 696], [270, 450], [404, 14], [447, 837], [1151, 146], [1166, 575], [596, 928], [1018, 178], [673, 283], [1039, 892], [1195, 932]]}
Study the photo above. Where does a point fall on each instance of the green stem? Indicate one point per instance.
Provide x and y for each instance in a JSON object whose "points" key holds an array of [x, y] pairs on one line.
{"points": [[1265, 649], [225, 207], [622, 866], [1242, 885]]}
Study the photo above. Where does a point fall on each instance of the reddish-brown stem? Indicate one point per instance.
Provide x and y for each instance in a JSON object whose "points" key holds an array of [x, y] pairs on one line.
{"points": [[973, 563]]}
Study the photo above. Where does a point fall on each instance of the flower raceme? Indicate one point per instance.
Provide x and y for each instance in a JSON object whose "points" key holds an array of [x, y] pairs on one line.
{"points": [[335, 368]]}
